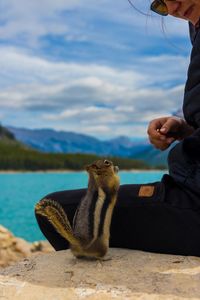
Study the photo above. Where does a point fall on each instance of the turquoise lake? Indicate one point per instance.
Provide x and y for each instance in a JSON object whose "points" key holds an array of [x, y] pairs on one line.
{"points": [[19, 192]]}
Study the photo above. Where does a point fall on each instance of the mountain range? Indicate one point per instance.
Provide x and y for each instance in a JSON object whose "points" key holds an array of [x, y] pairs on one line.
{"points": [[49, 140]]}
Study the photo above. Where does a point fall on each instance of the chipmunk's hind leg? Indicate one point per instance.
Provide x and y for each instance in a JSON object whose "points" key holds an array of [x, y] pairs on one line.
{"points": [[55, 214]]}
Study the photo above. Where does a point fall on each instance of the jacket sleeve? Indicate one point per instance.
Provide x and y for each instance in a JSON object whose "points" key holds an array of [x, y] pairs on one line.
{"points": [[191, 103]]}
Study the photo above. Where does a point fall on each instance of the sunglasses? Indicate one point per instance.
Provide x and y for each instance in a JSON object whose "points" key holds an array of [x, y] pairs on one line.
{"points": [[159, 7]]}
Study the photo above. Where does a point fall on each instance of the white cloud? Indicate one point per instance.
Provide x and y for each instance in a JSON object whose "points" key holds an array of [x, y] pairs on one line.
{"points": [[107, 99], [33, 18], [29, 21], [101, 98]]}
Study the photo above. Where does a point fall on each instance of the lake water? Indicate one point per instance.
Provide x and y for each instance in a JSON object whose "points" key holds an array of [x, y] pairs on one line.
{"points": [[19, 192]]}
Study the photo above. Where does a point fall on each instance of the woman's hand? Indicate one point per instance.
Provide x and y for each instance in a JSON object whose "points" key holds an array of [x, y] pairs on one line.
{"points": [[165, 130]]}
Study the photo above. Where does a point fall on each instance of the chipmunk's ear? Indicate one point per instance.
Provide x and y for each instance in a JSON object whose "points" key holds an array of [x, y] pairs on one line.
{"points": [[116, 169]]}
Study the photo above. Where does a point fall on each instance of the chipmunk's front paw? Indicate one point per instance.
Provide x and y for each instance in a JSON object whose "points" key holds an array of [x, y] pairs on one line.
{"points": [[106, 257]]}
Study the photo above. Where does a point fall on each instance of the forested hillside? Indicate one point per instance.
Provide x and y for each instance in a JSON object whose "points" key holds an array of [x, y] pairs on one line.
{"points": [[6, 135], [16, 156], [53, 141]]}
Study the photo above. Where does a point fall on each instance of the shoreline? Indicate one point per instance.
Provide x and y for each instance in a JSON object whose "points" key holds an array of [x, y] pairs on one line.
{"points": [[76, 171], [38, 171]]}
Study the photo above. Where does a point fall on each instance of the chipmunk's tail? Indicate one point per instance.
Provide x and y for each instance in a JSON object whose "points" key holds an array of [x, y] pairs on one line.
{"points": [[55, 214]]}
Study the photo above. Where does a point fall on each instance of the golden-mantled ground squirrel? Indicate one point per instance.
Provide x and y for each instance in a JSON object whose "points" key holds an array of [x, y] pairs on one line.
{"points": [[90, 233]]}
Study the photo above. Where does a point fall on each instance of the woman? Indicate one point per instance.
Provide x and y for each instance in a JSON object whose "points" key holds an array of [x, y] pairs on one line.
{"points": [[188, 10], [163, 216]]}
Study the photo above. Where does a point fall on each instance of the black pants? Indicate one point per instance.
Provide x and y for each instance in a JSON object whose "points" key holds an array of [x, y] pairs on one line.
{"points": [[165, 221]]}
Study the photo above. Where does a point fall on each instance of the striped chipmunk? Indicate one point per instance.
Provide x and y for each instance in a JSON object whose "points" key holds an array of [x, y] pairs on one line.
{"points": [[89, 235]]}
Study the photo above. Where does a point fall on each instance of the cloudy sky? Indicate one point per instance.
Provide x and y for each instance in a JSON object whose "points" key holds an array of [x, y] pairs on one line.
{"points": [[94, 67]]}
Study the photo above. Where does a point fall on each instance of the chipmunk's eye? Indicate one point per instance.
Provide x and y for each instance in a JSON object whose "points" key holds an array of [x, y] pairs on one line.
{"points": [[106, 162]]}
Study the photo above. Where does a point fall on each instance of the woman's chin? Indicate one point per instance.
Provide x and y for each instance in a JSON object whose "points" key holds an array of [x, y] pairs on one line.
{"points": [[194, 19]]}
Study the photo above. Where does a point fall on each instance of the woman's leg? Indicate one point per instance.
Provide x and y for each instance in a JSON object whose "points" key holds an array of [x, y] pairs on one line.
{"points": [[159, 224], [157, 217]]}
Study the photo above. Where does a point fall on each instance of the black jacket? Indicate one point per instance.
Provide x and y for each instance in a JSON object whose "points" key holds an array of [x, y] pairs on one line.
{"points": [[191, 103]]}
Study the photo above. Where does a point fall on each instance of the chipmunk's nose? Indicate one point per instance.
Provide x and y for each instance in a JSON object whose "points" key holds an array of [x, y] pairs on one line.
{"points": [[91, 166]]}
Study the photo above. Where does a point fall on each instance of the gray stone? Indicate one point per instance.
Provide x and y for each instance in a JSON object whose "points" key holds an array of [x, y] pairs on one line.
{"points": [[128, 275]]}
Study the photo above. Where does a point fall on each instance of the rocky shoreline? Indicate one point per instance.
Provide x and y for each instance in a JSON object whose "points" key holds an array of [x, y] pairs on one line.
{"points": [[14, 249], [128, 275], [28, 271]]}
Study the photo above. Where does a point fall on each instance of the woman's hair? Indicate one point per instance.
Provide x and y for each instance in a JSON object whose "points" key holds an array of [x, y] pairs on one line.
{"points": [[137, 9], [162, 23], [148, 14]]}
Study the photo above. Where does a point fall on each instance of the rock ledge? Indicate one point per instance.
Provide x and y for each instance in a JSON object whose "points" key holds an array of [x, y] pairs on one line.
{"points": [[128, 275]]}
